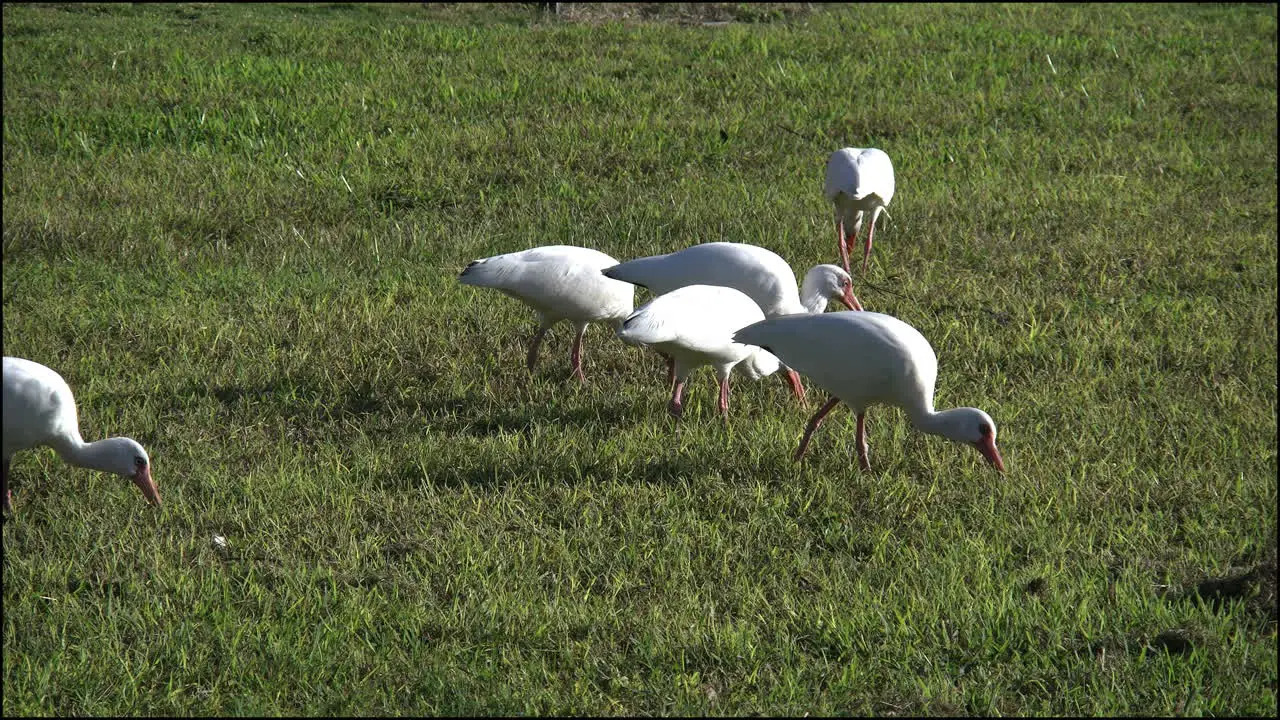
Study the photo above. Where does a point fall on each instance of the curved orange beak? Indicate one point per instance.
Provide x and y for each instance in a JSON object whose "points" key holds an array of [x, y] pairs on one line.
{"points": [[987, 446], [850, 300], [143, 480]]}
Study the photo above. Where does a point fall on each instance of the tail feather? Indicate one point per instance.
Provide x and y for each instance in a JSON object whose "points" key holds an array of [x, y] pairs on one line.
{"points": [[483, 273], [758, 334], [632, 271], [644, 327]]}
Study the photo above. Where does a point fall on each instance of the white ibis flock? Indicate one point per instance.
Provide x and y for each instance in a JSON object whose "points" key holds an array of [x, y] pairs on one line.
{"points": [[721, 304]]}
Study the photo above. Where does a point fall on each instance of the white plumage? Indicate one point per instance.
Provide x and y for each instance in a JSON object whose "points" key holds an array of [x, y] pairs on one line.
{"points": [[859, 182], [694, 326], [560, 282], [759, 273], [864, 359], [39, 410]]}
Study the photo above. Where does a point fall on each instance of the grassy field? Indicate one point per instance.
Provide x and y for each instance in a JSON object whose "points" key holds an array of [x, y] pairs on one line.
{"points": [[236, 231]]}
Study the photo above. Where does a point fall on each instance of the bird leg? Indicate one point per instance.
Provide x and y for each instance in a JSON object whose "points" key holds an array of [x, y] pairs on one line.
{"points": [[814, 422], [576, 356], [840, 242], [866, 251], [793, 378], [863, 460], [533, 347], [675, 407], [724, 398]]}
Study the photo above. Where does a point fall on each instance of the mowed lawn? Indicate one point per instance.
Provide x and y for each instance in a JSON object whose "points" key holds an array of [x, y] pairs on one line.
{"points": [[236, 231]]}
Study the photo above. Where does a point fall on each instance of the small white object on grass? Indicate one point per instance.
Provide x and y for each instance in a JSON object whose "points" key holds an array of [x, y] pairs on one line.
{"points": [[220, 542]]}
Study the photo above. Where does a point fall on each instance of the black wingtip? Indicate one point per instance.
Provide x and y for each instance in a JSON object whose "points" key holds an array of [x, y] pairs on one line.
{"points": [[609, 272]]}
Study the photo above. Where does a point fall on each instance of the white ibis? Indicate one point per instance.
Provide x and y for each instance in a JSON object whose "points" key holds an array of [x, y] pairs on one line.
{"points": [[39, 410], [859, 182], [694, 326], [759, 273], [560, 282], [864, 359]]}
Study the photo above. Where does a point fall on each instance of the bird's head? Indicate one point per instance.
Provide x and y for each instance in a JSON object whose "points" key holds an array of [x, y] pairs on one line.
{"points": [[974, 427], [130, 460], [830, 283]]}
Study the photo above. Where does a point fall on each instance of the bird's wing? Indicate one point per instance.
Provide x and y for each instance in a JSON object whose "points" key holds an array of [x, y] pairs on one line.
{"points": [[857, 173], [561, 281], [700, 317]]}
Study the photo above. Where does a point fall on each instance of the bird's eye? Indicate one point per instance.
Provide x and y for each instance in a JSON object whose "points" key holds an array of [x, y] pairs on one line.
{"points": [[139, 461]]}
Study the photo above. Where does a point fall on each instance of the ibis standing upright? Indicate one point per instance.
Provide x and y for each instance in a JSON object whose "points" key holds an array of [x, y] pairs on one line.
{"points": [[39, 410], [859, 184], [865, 359], [560, 282]]}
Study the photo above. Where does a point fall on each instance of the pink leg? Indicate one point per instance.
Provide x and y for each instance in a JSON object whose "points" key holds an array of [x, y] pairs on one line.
{"points": [[840, 242], [814, 422], [576, 356], [866, 252], [794, 379], [675, 407], [533, 347], [724, 399], [862, 442]]}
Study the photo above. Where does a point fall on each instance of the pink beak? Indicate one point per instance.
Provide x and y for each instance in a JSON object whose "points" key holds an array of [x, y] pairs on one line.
{"points": [[850, 301], [143, 480], [987, 446]]}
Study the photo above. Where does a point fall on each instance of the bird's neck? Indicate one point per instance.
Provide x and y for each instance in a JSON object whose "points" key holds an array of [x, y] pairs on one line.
{"points": [[795, 308], [94, 456], [945, 423], [812, 298]]}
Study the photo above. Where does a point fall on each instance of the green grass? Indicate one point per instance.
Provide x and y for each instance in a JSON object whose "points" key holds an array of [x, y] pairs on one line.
{"points": [[236, 231]]}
